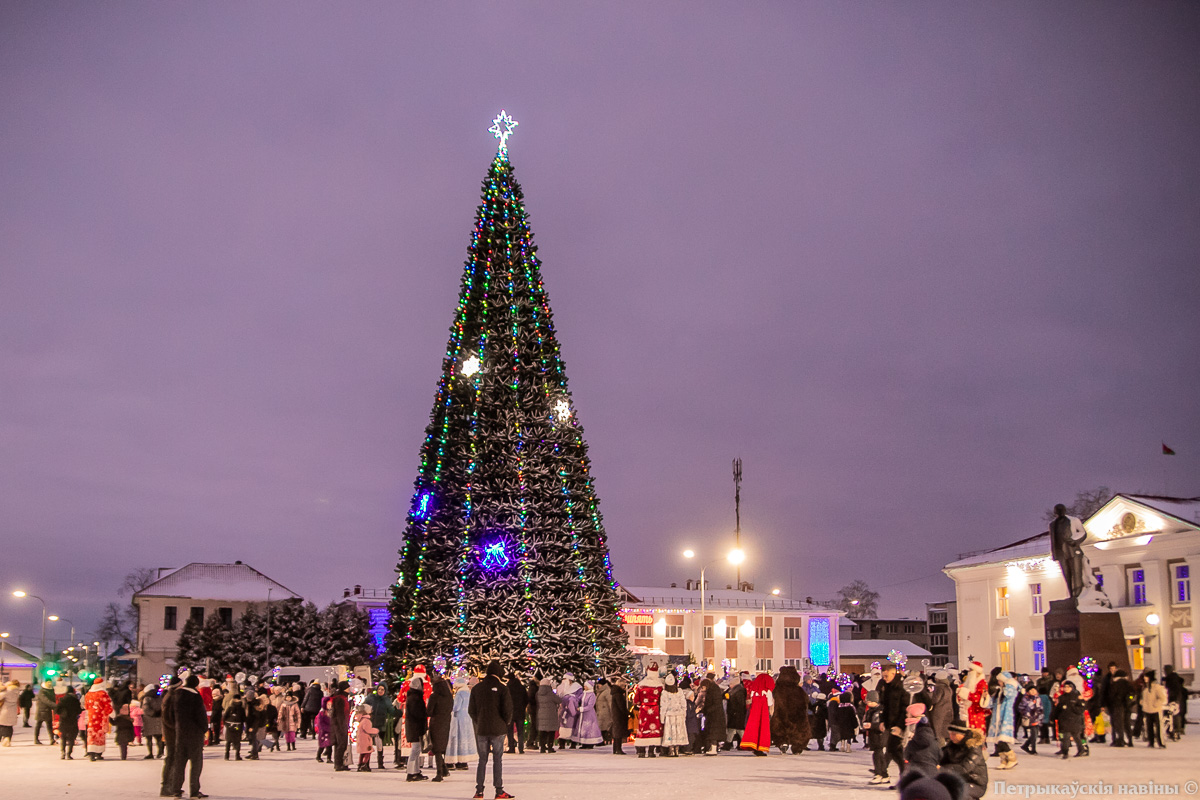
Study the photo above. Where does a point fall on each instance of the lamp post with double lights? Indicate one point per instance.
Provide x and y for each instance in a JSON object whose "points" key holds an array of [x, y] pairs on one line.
{"points": [[735, 556], [42, 654], [57, 618]]}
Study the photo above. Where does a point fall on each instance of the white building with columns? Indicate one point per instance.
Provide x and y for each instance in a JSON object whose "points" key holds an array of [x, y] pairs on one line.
{"points": [[1143, 550]]}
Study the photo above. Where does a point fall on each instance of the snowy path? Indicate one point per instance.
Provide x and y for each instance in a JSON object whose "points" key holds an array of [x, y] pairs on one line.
{"points": [[28, 772]]}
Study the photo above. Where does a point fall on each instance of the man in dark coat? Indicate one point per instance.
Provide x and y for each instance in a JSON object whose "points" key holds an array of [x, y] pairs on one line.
{"points": [[68, 709], [520, 701], [44, 713], [378, 703], [1176, 693], [713, 709], [490, 709], [735, 712], [168, 728], [1120, 696], [531, 727], [941, 711], [339, 725], [440, 709], [620, 715], [310, 706], [25, 702], [789, 722], [191, 725], [1068, 713], [893, 703], [963, 755], [416, 725]]}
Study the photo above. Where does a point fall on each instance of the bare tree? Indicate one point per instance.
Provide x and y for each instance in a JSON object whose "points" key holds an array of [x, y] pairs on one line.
{"points": [[858, 601], [114, 626], [1086, 503]]}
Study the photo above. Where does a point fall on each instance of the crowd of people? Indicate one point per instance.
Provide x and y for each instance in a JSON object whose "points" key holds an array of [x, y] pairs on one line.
{"points": [[932, 728]]}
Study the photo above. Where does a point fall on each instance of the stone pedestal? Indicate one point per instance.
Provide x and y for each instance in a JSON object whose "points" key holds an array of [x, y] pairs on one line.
{"points": [[1072, 634]]}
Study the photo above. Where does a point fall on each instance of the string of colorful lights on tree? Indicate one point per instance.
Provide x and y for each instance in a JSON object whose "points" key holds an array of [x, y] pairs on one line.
{"points": [[504, 551]]}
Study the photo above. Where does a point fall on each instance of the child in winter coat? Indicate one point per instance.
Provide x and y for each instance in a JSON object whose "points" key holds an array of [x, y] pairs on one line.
{"points": [[876, 735], [289, 719], [1029, 708], [364, 739], [820, 719], [922, 752], [135, 714], [324, 733], [843, 720], [692, 723], [123, 724]]}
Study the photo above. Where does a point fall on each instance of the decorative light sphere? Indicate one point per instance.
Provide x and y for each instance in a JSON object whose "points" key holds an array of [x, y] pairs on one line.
{"points": [[470, 366], [1010, 632], [1088, 667], [844, 682], [875, 666], [439, 665], [898, 658], [1152, 618]]}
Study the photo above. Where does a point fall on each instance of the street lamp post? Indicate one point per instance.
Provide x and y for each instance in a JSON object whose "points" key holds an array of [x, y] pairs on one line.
{"points": [[42, 654], [735, 556], [57, 618]]}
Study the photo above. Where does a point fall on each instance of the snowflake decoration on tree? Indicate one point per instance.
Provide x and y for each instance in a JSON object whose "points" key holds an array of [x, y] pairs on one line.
{"points": [[507, 123]]}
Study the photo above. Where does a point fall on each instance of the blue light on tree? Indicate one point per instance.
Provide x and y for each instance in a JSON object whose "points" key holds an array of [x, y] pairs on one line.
{"points": [[422, 510], [494, 555]]}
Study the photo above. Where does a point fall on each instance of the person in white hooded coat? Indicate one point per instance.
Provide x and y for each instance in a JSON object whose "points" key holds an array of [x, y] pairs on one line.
{"points": [[461, 746], [571, 695], [673, 708]]}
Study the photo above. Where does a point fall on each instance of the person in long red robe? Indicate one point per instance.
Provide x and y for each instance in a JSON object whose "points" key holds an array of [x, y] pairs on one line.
{"points": [[759, 700], [647, 699], [99, 709]]}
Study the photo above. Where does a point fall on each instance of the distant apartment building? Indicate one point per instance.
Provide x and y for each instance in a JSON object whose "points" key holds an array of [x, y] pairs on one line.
{"points": [[910, 629], [943, 632]]}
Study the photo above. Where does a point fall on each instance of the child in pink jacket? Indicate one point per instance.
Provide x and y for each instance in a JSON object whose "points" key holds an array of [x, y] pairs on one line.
{"points": [[362, 742]]}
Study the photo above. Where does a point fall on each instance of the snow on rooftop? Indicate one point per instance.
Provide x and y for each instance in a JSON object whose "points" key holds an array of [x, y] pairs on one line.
{"points": [[200, 581], [674, 597], [1033, 547], [858, 648], [1184, 508]]}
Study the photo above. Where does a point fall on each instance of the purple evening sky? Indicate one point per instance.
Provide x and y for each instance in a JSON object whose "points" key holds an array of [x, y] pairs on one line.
{"points": [[926, 267]]}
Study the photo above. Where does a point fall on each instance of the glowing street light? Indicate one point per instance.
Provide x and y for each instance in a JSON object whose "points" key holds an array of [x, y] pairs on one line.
{"points": [[1152, 618], [734, 556], [42, 654], [1010, 632]]}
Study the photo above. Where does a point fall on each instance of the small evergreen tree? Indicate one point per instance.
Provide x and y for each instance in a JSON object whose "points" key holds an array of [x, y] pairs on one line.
{"points": [[187, 650]]}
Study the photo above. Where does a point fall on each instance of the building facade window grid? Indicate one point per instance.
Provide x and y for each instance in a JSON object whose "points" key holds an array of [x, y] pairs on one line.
{"points": [[674, 632], [792, 634], [762, 633]]}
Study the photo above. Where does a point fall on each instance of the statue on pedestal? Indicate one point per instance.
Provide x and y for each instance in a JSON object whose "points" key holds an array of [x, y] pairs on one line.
{"points": [[1067, 534]]}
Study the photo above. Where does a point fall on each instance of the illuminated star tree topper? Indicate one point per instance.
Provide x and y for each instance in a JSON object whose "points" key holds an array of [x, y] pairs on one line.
{"points": [[502, 127]]}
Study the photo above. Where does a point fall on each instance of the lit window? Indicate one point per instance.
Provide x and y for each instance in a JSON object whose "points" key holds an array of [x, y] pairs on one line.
{"points": [[1002, 601], [1035, 597], [763, 665], [792, 634], [1137, 586], [1005, 656], [1183, 584], [674, 632], [1187, 651], [643, 631], [1039, 654]]}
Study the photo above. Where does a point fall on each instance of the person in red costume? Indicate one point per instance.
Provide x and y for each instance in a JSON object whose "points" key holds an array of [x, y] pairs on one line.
{"points": [[647, 699], [99, 709], [759, 699], [973, 697]]}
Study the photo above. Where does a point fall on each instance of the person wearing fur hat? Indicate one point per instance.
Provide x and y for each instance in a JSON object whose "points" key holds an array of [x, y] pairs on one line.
{"points": [[963, 755], [647, 700], [460, 747], [673, 711], [735, 710], [916, 785], [789, 721], [99, 709], [571, 693], [547, 715]]}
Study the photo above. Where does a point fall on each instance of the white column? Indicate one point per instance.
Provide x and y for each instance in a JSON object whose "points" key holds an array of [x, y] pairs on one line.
{"points": [[1156, 596]]}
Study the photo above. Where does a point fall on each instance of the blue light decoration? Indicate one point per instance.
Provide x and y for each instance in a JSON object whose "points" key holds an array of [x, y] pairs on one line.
{"points": [[818, 641], [423, 506], [378, 618], [494, 556]]}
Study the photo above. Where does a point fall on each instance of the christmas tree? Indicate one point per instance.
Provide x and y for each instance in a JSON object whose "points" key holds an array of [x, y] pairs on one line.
{"points": [[504, 552]]}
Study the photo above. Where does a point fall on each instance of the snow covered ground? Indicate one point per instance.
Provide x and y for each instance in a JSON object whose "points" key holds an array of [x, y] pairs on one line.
{"points": [[28, 772]]}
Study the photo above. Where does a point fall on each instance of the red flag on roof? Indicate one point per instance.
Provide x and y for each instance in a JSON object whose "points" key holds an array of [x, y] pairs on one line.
{"points": [[1167, 451]]}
